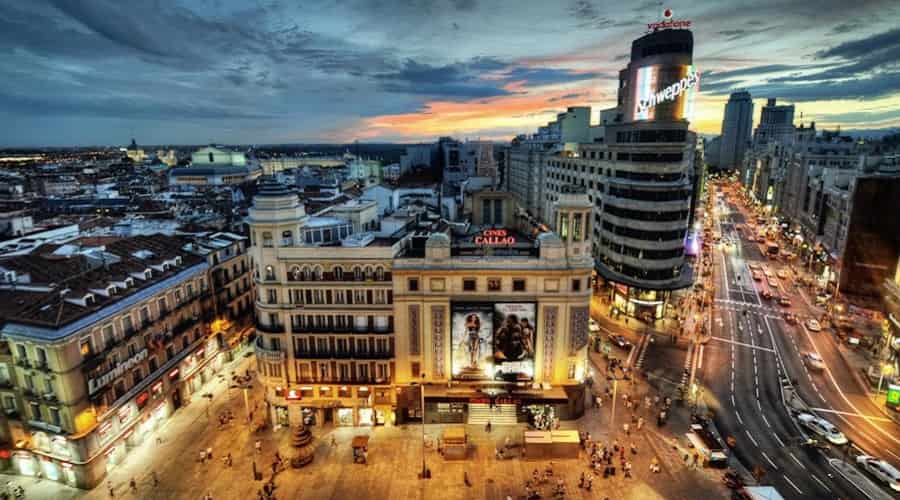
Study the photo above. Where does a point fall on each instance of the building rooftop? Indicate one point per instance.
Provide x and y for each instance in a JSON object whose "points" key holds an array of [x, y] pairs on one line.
{"points": [[52, 295]]}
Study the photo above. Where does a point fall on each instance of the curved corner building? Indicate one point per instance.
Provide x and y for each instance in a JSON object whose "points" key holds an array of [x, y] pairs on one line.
{"points": [[647, 204], [639, 175]]}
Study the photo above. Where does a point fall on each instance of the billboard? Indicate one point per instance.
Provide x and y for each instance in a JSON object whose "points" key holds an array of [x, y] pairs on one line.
{"points": [[665, 92], [493, 341]]}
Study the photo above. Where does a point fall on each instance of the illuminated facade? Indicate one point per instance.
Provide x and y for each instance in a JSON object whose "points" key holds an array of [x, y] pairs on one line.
{"points": [[641, 178], [346, 329], [101, 354]]}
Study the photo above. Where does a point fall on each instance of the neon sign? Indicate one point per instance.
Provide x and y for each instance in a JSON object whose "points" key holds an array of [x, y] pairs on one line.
{"points": [[667, 22], [495, 237], [670, 93]]}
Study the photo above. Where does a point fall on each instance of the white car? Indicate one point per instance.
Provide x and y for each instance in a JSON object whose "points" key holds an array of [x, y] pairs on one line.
{"points": [[813, 361], [882, 470], [782, 274], [823, 428], [813, 325], [593, 326]]}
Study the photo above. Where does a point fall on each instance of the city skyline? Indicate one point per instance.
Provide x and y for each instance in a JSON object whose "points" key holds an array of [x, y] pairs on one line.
{"points": [[219, 71]]}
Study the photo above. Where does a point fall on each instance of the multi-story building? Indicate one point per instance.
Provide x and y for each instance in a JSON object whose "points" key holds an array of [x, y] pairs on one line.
{"points": [[336, 345], [640, 177], [107, 339], [736, 128], [212, 166], [525, 175]]}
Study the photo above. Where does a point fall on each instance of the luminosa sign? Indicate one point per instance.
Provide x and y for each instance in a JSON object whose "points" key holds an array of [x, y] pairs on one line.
{"points": [[670, 93]]}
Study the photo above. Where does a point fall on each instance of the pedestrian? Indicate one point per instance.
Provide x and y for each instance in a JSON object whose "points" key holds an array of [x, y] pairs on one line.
{"points": [[277, 456], [640, 423], [656, 400], [258, 446], [647, 402], [111, 490], [333, 441], [627, 469], [581, 481], [633, 448], [202, 456], [228, 459], [209, 454], [154, 479], [487, 426], [627, 428], [466, 478], [590, 483], [133, 485], [208, 496], [158, 440]]}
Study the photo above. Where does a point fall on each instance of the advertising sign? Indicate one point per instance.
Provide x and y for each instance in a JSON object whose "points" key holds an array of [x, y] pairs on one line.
{"points": [[665, 92], [893, 395], [493, 341], [514, 338]]}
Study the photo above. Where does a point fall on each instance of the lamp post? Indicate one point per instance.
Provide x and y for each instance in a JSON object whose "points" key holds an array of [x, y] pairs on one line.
{"points": [[424, 473]]}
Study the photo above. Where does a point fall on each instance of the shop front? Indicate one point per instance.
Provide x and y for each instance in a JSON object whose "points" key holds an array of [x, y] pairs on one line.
{"points": [[646, 305]]}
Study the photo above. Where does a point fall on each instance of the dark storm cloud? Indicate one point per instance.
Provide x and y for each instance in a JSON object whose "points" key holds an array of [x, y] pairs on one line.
{"points": [[872, 87], [466, 79], [716, 76], [863, 47]]}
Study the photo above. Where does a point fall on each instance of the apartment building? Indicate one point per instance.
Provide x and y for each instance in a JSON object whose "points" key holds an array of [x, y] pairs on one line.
{"points": [[107, 337]]}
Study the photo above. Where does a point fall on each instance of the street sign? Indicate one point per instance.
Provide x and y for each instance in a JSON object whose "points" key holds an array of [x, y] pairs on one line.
{"points": [[893, 395]]}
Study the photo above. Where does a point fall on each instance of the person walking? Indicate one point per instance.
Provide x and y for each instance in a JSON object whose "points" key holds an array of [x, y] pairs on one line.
{"points": [[209, 454], [640, 423], [132, 484], [258, 446], [333, 441], [466, 479], [627, 428], [110, 490], [154, 479]]}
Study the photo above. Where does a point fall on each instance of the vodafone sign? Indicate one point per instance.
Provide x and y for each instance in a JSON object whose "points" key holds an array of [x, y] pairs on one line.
{"points": [[668, 22]]}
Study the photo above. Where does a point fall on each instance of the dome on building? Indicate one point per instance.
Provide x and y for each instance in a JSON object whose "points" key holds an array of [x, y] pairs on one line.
{"points": [[273, 188]]}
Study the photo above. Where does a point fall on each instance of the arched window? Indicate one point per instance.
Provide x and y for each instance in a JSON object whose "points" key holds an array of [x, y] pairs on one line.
{"points": [[338, 273], [295, 273], [369, 272], [267, 239], [318, 273], [357, 273], [379, 273], [307, 274], [270, 273], [287, 239]]}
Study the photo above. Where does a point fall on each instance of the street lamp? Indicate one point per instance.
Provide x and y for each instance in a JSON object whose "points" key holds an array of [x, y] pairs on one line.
{"points": [[424, 474]]}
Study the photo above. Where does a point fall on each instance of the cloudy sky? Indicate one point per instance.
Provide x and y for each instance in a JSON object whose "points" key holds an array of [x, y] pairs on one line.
{"points": [[77, 72]]}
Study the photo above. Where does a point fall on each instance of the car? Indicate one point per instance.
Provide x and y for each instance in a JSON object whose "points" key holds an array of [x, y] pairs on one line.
{"points": [[783, 274], [823, 428], [813, 361], [813, 325], [785, 301], [882, 470], [754, 266], [790, 319], [766, 294], [768, 273], [772, 283], [619, 341], [593, 326]]}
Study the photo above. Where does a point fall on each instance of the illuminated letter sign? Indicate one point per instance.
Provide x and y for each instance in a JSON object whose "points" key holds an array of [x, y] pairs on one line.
{"points": [[669, 93], [494, 237]]}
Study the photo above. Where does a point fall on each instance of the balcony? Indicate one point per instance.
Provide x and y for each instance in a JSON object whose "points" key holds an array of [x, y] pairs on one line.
{"points": [[50, 397], [42, 365], [312, 355], [185, 325], [269, 328], [23, 362], [268, 355]]}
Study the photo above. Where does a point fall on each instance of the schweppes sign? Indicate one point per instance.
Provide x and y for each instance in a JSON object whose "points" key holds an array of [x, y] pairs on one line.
{"points": [[670, 93]]}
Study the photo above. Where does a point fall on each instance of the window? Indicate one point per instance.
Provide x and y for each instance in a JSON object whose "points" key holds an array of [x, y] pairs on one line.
{"points": [[413, 284], [272, 296], [469, 285], [23, 354], [494, 284], [339, 273], [108, 335], [270, 273], [85, 347], [35, 411], [576, 285], [518, 285], [287, 238], [267, 239]]}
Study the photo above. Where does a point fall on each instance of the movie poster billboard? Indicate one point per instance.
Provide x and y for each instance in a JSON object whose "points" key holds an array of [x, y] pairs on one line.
{"points": [[472, 337], [514, 341], [493, 341]]}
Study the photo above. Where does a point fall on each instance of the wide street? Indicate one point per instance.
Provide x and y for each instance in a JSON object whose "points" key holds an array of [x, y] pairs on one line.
{"points": [[753, 353]]}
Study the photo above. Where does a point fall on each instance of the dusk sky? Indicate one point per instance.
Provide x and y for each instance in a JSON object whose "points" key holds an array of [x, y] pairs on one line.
{"points": [[78, 72]]}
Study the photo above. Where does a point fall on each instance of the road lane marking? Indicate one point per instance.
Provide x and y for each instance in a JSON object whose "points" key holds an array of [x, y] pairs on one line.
{"points": [[758, 405], [821, 483], [797, 460], [851, 414], [742, 344], [738, 415], [732, 400], [766, 420], [792, 484], [751, 438], [780, 442], [769, 460], [700, 356]]}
